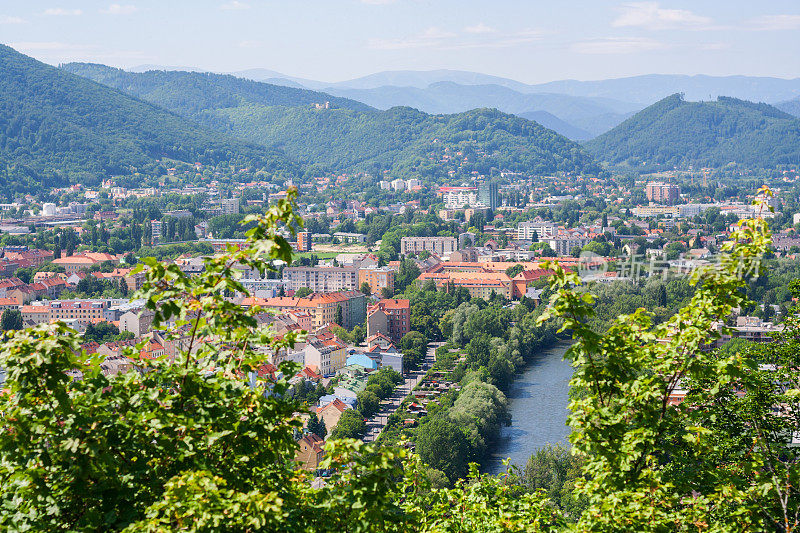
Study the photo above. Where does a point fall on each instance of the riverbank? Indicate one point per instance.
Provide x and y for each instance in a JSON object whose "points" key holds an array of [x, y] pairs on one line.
{"points": [[538, 400]]}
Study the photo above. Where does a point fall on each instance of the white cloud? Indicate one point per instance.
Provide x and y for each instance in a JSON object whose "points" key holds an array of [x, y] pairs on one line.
{"points": [[11, 20], [436, 38], [776, 22], [479, 28], [432, 37], [234, 5], [377, 2], [60, 12], [119, 9], [651, 16], [617, 46]]}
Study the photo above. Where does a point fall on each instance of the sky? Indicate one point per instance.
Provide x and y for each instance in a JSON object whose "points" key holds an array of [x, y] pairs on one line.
{"points": [[334, 40]]}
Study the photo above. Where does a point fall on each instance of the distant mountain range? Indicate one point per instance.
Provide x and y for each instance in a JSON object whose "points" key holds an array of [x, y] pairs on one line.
{"points": [[349, 134], [57, 128], [584, 109], [675, 132]]}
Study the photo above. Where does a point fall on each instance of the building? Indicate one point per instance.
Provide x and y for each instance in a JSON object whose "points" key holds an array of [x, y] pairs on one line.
{"points": [[48, 209], [309, 451], [349, 238], [398, 318], [377, 279], [321, 279], [398, 184], [230, 206], [540, 229], [77, 262], [82, 311], [665, 193], [326, 354], [324, 307], [156, 231], [563, 244], [304, 241], [441, 246], [137, 322], [458, 197], [488, 195], [479, 284], [331, 412]]}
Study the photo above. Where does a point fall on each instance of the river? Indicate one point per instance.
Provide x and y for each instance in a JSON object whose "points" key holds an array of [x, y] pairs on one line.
{"points": [[538, 401]]}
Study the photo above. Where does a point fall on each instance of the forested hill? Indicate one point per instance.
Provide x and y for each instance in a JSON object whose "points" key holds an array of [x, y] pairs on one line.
{"points": [[350, 135], [190, 93], [57, 128], [674, 132]]}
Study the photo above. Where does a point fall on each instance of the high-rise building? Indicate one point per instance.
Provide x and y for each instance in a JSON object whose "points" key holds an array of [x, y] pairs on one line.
{"points": [[304, 241], [488, 195], [230, 206], [156, 231], [665, 193]]}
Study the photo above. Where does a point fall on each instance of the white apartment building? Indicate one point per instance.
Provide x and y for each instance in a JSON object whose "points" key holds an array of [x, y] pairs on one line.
{"points": [[398, 184], [542, 228], [564, 244], [321, 279], [441, 246], [458, 197]]}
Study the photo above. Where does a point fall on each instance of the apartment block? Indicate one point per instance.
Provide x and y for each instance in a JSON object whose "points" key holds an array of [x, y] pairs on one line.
{"points": [[377, 279], [436, 245], [321, 279]]}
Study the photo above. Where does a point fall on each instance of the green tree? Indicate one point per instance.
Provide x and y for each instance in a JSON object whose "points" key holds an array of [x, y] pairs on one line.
{"points": [[368, 403], [442, 445], [339, 318], [351, 426], [316, 426], [514, 270], [366, 289], [11, 320], [302, 292], [642, 455]]}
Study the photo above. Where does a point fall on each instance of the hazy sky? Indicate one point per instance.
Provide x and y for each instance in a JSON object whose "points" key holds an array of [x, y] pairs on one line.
{"points": [[332, 40]]}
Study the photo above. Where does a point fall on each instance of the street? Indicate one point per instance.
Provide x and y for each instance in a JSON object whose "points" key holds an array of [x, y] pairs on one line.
{"points": [[388, 406]]}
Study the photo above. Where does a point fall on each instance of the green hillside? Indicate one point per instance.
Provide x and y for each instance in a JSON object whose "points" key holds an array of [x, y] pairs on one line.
{"points": [[351, 135], [674, 132], [57, 128]]}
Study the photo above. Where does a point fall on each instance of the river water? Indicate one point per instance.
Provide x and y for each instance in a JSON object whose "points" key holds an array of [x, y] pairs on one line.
{"points": [[538, 401]]}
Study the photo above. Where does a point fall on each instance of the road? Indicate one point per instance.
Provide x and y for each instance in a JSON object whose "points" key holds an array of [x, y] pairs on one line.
{"points": [[388, 406]]}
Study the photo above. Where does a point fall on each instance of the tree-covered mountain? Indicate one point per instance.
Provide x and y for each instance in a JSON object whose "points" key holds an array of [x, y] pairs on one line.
{"points": [[790, 106], [57, 128], [350, 135], [190, 93], [675, 132]]}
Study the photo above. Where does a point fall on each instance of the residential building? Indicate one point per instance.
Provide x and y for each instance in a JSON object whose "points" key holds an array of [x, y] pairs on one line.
{"points": [[309, 451], [304, 241], [331, 412], [377, 322], [83, 311], [665, 193], [398, 318], [156, 231], [563, 244], [349, 238], [74, 263], [541, 229], [320, 279], [326, 354], [441, 246], [35, 314], [479, 284], [458, 197], [137, 322], [377, 279], [323, 307], [230, 206]]}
